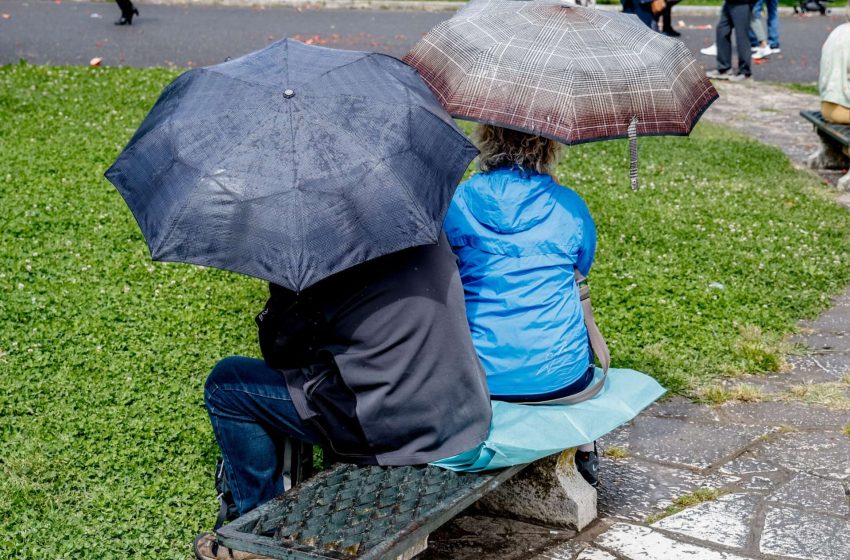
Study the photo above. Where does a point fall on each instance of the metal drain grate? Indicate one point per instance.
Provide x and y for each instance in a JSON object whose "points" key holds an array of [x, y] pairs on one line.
{"points": [[352, 512]]}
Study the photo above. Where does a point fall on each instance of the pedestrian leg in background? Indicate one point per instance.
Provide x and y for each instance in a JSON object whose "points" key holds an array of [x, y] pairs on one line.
{"points": [[641, 10], [757, 29], [723, 40], [666, 19], [740, 14], [127, 12], [772, 24]]}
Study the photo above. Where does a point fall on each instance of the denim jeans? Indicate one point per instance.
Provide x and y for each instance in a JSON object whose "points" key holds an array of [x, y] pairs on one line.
{"points": [[251, 414], [772, 22]]}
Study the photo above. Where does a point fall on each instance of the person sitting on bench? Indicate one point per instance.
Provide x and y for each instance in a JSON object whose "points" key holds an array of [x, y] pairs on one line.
{"points": [[375, 362], [834, 79], [520, 237]]}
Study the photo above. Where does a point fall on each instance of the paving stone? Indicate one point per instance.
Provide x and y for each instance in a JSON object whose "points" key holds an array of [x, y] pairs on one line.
{"points": [[834, 319], [632, 489], [819, 368], [777, 414], [565, 551], [642, 543], [724, 521], [824, 454], [680, 407], [805, 535], [820, 342], [813, 493], [758, 483], [595, 554], [747, 464], [698, 445], [617, 438]]}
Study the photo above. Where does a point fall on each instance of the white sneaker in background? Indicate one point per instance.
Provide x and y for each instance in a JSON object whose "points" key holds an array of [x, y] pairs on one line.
{"points": [[709, 51], [760, 53]]}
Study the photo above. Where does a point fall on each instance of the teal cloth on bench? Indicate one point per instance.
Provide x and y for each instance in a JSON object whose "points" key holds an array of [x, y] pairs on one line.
{"points": [[524, 433]]}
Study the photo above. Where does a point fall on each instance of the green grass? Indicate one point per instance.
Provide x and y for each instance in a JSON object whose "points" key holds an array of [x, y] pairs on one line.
{"points": [[698, 496], [811, 89], [105, 448]]}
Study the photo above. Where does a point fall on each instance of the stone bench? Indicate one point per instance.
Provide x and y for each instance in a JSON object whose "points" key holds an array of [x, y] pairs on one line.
{"points": [[350, 512], [835, 146]]}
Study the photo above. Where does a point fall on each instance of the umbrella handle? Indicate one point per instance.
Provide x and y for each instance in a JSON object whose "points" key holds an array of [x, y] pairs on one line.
{"points": [[633, 154]]}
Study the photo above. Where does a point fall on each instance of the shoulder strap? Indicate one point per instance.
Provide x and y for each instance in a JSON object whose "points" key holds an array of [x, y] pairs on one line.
{"points": [[597, 343]]}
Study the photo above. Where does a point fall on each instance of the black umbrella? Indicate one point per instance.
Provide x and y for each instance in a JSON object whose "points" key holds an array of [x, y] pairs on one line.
{"points": [[292, 163]]}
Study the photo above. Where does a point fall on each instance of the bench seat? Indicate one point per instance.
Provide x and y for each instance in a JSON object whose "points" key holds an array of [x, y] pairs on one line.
{"points": [[834, 149], [370, 512]]}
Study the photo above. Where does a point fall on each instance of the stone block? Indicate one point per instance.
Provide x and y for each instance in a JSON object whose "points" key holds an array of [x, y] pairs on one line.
{"points": [[829, 155], [724, 521], [550, 491], [632, 489], [813, 493], [697, 445], [818, 453], [642, 543], [809, 536]]}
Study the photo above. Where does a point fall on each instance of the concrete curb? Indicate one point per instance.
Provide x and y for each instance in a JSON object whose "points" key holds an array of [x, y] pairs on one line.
{"points": [[405, 5]]}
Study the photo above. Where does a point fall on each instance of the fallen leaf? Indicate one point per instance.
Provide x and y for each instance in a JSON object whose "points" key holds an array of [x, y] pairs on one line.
{"points": [[95, 61], [706, 26], [6, 16], [95, 15]]}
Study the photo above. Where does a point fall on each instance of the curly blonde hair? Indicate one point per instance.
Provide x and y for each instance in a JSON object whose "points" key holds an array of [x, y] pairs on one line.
{"points": [[503, 147]]}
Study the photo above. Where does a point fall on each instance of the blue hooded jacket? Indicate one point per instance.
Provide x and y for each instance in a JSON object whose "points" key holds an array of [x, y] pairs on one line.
{"points": [[519, 235]]}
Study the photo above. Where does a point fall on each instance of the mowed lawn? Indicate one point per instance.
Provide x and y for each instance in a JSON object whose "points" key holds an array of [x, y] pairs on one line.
{"points": [[105, 448]]}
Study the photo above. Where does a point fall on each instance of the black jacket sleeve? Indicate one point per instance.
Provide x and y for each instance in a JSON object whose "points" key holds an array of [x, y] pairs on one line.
{"points": [[289, 329]]}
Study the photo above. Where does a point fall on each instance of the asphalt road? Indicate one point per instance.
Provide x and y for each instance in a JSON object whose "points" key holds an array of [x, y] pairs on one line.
{"points": [[68, 32]]}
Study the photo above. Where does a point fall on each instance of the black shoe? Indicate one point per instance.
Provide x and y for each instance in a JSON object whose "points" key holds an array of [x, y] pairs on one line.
{"points": [[672, 33], [587, 464], [124, 21]]}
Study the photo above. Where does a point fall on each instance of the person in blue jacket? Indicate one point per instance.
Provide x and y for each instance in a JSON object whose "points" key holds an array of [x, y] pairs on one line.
{"points": [[520, 236]]}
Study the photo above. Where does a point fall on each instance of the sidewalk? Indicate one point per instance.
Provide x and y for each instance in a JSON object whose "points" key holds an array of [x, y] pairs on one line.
{"points": [[771, 466], [409, 5]]}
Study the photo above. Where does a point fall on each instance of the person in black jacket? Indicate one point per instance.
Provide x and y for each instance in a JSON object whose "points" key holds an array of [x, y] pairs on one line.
{"points": [[375, 362], [735, 15]]}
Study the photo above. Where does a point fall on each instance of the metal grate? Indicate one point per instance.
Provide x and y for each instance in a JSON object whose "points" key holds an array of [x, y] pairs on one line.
{"points": [[838, 132], [359, 512]]}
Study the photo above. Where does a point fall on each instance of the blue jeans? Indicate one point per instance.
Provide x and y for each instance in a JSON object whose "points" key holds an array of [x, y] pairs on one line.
{"points": [[772, 22], [251, 414]]}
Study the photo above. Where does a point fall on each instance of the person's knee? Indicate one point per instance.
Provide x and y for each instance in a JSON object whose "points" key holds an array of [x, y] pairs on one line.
{"points": [[222, 374]]}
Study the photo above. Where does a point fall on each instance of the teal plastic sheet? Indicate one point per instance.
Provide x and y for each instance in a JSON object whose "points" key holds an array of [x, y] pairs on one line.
{"points": [[521, 433]]}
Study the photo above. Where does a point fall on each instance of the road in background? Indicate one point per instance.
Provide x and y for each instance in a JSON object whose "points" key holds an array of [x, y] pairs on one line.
{"points": [[65, 32]]}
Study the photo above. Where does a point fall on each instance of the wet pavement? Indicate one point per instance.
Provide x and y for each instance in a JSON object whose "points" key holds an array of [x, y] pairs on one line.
{"points": [[68, 32]]}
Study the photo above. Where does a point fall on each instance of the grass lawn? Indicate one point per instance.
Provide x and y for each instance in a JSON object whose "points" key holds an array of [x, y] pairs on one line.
{"points": [[105, 449]]}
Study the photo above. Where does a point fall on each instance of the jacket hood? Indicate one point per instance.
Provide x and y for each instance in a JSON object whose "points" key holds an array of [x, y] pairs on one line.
{"points": [[510, 200]]}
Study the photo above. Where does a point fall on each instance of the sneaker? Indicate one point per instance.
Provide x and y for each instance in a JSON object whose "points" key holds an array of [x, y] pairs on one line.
{"points": [[718, 75], [740, 77], [754, 49], [760, 53], [207, 548], [775, 50], [587, 465], [709, 51]]}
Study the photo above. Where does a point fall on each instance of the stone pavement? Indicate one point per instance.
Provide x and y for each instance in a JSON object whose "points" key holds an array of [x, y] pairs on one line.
{"points": [[766, 474]]}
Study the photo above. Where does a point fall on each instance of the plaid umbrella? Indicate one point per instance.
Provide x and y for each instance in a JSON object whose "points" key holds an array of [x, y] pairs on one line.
{"points": [[292, 163], [562, 71]]}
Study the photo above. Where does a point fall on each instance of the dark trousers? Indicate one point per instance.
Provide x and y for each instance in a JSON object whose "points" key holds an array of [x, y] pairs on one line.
{"points": [[737, 17], [126, 8], [251, 415]]}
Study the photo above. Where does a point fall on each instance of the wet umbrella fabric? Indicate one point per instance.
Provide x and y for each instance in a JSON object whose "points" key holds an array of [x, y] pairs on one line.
{"points": [[292, 163], [562, 71]]}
